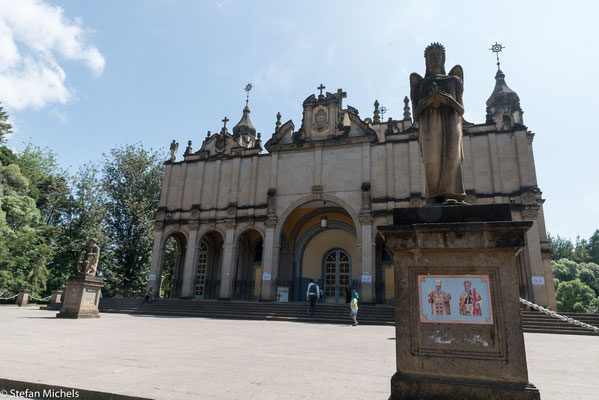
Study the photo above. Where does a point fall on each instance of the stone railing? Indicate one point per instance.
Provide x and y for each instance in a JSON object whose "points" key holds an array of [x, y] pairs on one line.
{"points": [[558, 316]]}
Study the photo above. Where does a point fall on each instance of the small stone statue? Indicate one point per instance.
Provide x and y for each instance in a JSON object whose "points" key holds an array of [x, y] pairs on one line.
{"points": [[174, 147], [438, 109], [188, 150], [90, 264]]}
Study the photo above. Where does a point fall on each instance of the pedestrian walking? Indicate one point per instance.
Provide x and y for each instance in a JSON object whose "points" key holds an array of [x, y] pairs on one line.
{"points": [[312, 294], [353, 307]]}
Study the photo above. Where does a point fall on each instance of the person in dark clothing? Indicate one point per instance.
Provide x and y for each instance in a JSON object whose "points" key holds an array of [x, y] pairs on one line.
{"points": [[312, 294]]}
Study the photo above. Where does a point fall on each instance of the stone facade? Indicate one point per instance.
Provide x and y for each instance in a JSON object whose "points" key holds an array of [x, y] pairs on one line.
{"points": [[247, 221]]}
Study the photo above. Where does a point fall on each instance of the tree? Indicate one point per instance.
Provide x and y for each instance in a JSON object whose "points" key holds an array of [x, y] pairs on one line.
{"points": [[560, 247], [81, 220], [565, 270], [25, 248], [593, 247], [575, 296], [131, 183], [5, 127], [588, 273]]}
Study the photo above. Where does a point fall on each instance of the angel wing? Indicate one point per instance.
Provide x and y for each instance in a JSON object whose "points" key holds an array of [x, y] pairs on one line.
{"points": [[457, 71], [415, 81]]}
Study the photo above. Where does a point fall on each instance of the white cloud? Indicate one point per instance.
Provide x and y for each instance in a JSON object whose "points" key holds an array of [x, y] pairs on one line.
{"points": [[33, 35]]}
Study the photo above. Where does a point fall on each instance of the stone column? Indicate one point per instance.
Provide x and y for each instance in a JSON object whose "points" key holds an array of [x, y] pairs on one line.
{"points": [[188, 271], [227, 272], [156, 262], [367, 259], [269, 290]]}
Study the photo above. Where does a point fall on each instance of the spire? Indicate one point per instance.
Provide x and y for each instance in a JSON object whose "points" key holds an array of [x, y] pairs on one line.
{"points": [[406, 109], [503, 107], [377, 116], [244, 126]]}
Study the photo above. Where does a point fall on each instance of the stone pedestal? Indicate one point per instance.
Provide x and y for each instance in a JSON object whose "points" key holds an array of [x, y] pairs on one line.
{"points": [[23, 297], [458, 327], [81, 297]]}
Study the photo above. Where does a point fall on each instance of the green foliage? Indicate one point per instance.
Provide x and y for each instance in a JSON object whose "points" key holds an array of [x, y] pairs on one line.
{"points": [[560, 247], [169, 262], [25, 248], [575, 296], [131, 183], [565, 270], [5, 127]]}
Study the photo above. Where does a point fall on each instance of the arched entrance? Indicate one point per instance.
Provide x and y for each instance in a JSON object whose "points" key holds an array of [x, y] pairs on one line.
{"points": [[207, 272], [171, 280], [248, 269], [307, 236], [336, 266]]}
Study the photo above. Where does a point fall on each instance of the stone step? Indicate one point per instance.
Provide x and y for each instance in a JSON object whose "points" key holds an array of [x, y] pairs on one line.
{"points": [[532, 321]]}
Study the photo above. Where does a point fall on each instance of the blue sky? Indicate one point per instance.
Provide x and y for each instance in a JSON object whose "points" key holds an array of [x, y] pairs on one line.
{"points": [[82, 77]]}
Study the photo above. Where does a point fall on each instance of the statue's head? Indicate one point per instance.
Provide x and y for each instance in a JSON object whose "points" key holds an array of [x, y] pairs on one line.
{"points": [[435, 59], [467, 285], [438, 284], [93, 242]]}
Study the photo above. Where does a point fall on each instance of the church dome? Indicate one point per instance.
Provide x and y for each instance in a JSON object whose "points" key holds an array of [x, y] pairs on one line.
{"points": [[502, 94], [244, 126]]}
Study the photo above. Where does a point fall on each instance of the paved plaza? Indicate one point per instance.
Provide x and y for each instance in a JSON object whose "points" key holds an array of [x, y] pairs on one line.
{"points": [[198, 358]]}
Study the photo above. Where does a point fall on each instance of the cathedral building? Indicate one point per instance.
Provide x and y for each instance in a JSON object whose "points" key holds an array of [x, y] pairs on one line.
{"points": [[249, 224]]}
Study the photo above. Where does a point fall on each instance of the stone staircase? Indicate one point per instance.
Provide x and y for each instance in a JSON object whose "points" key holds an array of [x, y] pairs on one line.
{"points": [[369, 314], [325, 312], [537, 322]]}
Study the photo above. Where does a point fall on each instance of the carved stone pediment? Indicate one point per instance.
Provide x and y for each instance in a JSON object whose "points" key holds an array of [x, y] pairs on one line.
{"points": [[222, 144], [323, 120]]}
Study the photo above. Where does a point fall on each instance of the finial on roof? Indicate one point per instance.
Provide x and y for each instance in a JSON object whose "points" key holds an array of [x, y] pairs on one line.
{"points": [[406, 109], [225, 120], [208, 134], [188, 149], [496, 48], [321, 88], [377, 117], [383, 111], [278, 124], [340, 96], [247, 89]]}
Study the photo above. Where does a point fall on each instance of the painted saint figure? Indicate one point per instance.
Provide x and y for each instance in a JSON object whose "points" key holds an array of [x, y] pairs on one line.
{"points": [[439, 300], [438, 109], [470, 301]]}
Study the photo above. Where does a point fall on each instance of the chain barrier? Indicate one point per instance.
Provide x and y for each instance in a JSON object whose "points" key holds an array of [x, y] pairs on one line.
{"points": [[9, 298], [44, 299], [558, 316]]}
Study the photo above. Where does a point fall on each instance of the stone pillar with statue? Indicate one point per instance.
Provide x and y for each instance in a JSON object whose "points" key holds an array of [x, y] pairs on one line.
{"points": [[457, 313], [82, 294]]}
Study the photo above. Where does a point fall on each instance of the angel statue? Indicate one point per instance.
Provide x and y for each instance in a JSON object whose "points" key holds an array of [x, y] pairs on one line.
{"points": [[438, 109], [90, 264], [174, 147]]}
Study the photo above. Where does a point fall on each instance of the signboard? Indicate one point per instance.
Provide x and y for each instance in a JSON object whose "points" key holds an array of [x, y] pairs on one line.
{"points": [[458, 299], [152, 277], [366, 278], [538, 280], [265, 276]]}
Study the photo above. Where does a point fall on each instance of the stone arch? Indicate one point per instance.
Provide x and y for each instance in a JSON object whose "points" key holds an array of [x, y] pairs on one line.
{"points": [[316, 197], [173, 250], [246, 274], [208, 264], [301, 245]]}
